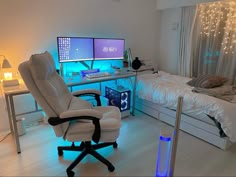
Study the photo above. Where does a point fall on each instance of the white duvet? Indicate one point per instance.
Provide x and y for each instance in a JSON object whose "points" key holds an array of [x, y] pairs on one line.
{"points": [[164, 89]]}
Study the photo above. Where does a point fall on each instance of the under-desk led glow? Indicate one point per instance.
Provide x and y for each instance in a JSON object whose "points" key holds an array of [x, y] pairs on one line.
{"points": [[102, 65]]}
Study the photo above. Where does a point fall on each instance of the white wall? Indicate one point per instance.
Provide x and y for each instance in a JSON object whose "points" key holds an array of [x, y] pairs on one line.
{"points": [[29, 27], [165, 4], [169, 40], [32, 26]]}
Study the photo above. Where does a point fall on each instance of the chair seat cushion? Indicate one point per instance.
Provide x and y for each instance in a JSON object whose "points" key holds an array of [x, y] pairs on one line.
{"points": [[111, 121], [111, 117]]}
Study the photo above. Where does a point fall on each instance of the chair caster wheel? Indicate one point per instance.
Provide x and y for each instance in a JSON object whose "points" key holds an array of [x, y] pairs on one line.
{"points": [[60, 152], [115, 145], [70, 173], [111, 168]]}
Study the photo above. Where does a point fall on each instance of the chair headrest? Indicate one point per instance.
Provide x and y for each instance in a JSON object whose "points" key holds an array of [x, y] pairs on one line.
{"points": [[42, 65]]}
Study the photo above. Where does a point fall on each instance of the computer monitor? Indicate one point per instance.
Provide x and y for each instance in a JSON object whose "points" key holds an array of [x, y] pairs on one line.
{"points": [[74, 49], [109, 49]]}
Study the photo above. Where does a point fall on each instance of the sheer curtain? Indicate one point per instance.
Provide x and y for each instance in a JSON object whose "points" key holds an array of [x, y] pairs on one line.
{"points": [[227, 60], [214, 40], [186, 26]]}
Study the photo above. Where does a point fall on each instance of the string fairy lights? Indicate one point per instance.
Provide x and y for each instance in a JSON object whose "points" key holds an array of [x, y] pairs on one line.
{"points": [[218, 20]]}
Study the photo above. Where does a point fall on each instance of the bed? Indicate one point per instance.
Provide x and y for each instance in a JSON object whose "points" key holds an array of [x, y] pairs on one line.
{"points": [[206, 117]]}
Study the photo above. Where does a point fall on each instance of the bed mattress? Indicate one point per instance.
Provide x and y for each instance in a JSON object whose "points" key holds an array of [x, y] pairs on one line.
{"points": [[164, 89]]}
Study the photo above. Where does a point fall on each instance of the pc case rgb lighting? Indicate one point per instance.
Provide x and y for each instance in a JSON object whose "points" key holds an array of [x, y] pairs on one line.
{"points": [[119, 97]]}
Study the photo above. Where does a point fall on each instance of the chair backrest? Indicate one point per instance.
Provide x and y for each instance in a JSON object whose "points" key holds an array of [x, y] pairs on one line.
{"points": [[46, 86]]}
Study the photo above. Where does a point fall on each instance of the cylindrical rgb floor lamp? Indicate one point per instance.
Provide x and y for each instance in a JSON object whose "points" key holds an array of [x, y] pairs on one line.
{"points": [[167, 148]]}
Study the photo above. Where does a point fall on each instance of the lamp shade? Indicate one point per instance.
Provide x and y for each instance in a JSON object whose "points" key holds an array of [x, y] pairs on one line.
{"points": [[6, 64]]}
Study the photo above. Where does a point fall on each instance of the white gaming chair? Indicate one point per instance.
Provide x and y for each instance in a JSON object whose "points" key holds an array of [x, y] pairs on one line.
{"points": [[72, 118]]}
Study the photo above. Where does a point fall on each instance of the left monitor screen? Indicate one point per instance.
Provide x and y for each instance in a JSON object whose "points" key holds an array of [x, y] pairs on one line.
{"points": [[74, 49]]}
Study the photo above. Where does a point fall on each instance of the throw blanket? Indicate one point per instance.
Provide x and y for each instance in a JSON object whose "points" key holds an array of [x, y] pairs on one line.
{"points": [[226, 92]]}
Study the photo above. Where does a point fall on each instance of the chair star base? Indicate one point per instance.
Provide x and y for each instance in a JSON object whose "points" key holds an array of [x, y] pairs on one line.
{"points": [[86, 148]]}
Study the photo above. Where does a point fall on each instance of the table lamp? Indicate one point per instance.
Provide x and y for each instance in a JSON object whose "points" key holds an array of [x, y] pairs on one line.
{"points": [[7, 75]]}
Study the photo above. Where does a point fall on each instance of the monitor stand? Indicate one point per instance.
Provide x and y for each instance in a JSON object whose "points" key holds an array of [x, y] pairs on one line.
{"points": [[61, 70]]}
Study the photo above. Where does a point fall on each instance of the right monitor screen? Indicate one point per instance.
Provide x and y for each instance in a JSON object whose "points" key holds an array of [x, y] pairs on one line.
{"points": [[109, 49]]}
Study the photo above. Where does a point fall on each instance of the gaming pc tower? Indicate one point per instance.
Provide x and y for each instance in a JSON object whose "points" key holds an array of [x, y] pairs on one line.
{"points": [[120, 97]]}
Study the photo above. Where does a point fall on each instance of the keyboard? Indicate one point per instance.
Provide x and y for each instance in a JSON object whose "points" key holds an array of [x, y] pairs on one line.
{"points": [[97, 75]]}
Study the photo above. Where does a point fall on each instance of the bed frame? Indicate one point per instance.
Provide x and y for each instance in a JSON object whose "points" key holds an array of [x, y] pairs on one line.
{"points": [[191, 125]]}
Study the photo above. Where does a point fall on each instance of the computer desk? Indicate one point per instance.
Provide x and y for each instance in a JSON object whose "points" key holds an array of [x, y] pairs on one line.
{"points": [[11, 92]]}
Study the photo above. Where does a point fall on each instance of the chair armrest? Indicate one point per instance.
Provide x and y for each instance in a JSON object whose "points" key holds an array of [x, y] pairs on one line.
{"points": [[92, 115], [81, 113], [89, 92], [86, 92]]}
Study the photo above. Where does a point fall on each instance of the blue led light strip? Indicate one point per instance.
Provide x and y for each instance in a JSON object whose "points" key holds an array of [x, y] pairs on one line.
{"points": [[162, 138]]}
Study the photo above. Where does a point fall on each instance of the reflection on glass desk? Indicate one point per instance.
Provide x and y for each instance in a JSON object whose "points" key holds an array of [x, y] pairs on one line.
{"points": [[78, 80]]}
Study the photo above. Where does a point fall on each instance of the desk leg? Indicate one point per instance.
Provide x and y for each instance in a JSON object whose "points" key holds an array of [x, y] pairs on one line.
{"points": [[13, 116], [9, 112], [100, 86], [36, 105], [134, 94]]}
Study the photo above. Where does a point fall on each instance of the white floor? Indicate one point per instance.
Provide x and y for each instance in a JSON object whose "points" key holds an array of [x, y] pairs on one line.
{"points": [[136, 154]]}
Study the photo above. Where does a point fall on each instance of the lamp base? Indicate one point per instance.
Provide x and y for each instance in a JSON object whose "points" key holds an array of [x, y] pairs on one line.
{"points": [[10, 83]]}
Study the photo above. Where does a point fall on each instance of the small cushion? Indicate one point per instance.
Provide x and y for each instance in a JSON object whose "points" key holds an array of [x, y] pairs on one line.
{"points": [[207, 81]]}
